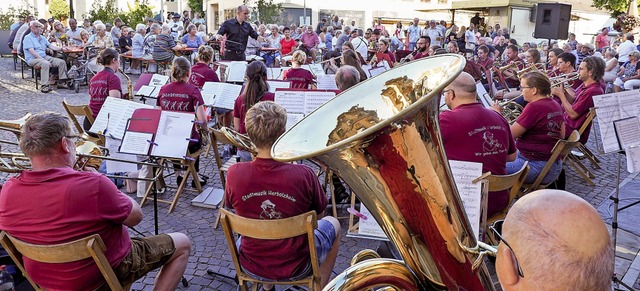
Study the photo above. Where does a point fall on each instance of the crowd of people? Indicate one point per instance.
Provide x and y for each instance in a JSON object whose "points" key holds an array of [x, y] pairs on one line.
{"points": [[554, 106]]}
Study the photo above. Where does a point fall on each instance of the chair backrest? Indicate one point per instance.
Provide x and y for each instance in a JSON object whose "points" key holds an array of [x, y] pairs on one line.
{"points": [[590, 116], [503, 182], [560, 151], [78, 110], [84, 248], [271, 229]]}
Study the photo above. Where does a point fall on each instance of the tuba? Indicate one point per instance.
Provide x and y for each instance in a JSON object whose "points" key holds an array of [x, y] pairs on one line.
{"points": [[383, 138]]}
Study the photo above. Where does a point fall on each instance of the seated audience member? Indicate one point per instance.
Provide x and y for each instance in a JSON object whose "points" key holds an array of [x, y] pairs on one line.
{"points": [[137, 48], [612, 66], [537, 129], [79, 204], [542, 245], [125, 41], [347, 77], [311, 40], [486, 135], [105, 83], [256, 90], [164, 46], [101, 39], [628, 76], [576, 109], [287, 44], [290, 190], [190, 39], [300, 78], [34, 47], [179, 95]]}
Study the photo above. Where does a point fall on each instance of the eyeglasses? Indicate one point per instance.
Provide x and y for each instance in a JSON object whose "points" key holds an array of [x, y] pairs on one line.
{"points": [[525, 87], [501, 239], [444, 92]]}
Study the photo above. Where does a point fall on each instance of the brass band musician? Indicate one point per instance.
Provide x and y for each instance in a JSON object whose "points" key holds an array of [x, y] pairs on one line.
{"points": [[105, 83], [552, 68], [510, 78]]}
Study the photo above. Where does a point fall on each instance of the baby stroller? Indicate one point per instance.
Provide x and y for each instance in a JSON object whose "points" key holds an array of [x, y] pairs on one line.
{"points": [[83, 68]]}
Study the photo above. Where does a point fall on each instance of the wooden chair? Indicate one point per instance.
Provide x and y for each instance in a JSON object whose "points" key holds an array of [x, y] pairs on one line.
{"points": [[560, 151], [269, 230], [84, 111], [84, 248]]}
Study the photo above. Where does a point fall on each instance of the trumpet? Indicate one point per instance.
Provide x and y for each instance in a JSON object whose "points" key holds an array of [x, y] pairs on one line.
{"points": [[129, 95], [529, 68], [509, 66], [564, 79]]}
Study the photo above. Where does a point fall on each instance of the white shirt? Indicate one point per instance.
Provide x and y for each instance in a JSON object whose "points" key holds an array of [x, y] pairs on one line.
{"points": [[361, 46], [624, 49], [435, 35], [471, 36]]}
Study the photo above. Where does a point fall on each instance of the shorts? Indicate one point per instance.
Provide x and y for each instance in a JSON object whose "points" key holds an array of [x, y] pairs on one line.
{"points": [[146, 254], [325, 236]]}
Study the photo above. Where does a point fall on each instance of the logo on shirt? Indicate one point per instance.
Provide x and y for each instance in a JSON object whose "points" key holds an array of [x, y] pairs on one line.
{"points": [[490, 144], [269, 210]]}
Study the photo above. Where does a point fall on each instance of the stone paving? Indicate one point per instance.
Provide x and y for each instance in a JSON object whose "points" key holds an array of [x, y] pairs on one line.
{"points": [[209, 249]]}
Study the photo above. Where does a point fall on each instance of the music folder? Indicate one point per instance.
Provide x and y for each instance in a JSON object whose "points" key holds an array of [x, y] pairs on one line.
{"points": [[155, 132]]}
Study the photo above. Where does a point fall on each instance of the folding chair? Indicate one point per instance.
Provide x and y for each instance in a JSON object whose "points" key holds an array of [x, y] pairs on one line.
{"points": [[84, 248], [560, 151], [84, 111], [271, 229]]}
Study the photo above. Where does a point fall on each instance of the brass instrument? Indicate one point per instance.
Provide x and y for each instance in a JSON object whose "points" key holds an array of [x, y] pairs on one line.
{"points": [[89, 154], [564, 79], [383, 139], [527, 69], [239, 140], [14, 126], [510, 110], [129, 95]]}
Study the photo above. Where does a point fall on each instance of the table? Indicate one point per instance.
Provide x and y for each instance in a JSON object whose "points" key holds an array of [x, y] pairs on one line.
{"points": [[271, 51], [187, 52]]}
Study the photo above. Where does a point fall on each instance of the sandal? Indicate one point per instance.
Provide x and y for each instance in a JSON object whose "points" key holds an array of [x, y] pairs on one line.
{"points": [[45, 89]]}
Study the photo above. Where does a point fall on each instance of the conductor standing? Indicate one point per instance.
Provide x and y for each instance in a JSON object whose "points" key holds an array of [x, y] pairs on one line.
{"points": [[237, 31]]}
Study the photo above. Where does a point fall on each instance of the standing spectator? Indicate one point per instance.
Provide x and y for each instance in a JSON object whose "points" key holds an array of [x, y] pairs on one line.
{"points": [[176, 26], [360, 44], [413, 33], [18, 23], [185, 17], [399, 32], [137, 47], [336, 23], [625, 48], [443, 27], [470, 38], [116, 31], [475, 20], [436, 35], [342, 38], [379, 25], [602, 40], [197, 19], [328, 39], [321, 25]]}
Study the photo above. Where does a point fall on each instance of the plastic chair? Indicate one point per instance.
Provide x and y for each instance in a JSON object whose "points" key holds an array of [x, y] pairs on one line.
{"points": [[269, 230]]}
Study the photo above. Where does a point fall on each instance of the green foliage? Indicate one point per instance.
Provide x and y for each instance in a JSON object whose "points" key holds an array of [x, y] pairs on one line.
{"points": [[24, 9], [59, 9], [265, 10], [108, 12], [137, 13], [616, 7], [195, 5]]}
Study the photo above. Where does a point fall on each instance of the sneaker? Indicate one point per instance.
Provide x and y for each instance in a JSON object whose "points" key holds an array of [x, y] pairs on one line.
{"points": [[45, 89]]}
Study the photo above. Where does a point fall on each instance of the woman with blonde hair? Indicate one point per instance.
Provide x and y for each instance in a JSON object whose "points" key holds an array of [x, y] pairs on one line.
{"points": [[300, 78], [180, 95]]}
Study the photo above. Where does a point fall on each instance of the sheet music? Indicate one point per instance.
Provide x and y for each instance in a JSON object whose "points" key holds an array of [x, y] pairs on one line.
{"points": [[114, 115], [376, 71], [236, 71], [136, 143], [292, 101], [484, 97], [293, 119], [158, 80], [327, 82], [315, 69], [146, 90], [369, 226], [366, 69], [274, 84], [470, 194], [315, 99], [174, 131], [113, 146], [220, 95], [628, 132], [612, 107], [633, 159]]}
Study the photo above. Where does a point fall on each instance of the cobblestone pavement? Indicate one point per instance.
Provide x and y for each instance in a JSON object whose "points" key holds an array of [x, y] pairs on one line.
{"points": [[209, 250]]}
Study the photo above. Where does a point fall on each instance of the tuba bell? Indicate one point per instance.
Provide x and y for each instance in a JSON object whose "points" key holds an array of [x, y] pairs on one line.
{"points": [[383, 138]]}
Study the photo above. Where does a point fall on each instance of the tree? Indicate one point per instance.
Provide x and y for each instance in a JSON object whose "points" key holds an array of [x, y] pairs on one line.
{"points": [[137, 13], [59, 9], [105, 13], [195, 5], [266, 11], [616, 7]]}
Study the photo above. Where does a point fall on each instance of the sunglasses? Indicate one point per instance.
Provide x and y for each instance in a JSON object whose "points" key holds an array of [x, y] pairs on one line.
{"points": [[496, 228]]}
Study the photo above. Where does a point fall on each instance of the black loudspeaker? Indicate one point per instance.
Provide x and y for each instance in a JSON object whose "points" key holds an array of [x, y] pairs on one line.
{"points": [[552, 21]]}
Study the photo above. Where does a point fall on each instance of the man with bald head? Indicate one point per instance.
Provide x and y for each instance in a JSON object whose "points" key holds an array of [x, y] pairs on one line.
{"points": [[473, 133], [558, 241], [237, 30]]}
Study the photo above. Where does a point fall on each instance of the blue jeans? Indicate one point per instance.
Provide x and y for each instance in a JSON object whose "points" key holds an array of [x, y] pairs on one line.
{"points": [[325, 236], [535, 167], [412, 45]]}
